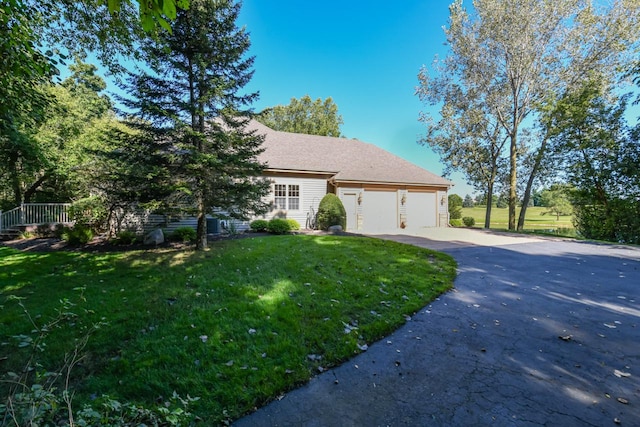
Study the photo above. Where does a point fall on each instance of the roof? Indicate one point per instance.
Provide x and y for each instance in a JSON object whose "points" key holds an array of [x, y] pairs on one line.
{"points": [[346, 159]]}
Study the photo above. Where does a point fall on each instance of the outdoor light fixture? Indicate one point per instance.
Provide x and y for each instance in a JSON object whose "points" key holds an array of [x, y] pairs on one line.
{"points": [[403, 200], [360, 198], [443, 201]]}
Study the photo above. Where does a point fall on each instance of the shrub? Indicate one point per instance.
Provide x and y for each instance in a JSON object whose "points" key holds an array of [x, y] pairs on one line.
{"points": [[125, 237], [293, 224], [77, 235], [331, 212], [279, 226], [89, 212], [44, 230], [259, 225], [454, 222], [184, 234], [469, 221], [455, 206]]}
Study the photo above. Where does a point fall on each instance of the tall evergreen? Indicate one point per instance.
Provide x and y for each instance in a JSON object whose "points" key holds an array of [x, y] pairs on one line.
{"points": [[192, 97]]}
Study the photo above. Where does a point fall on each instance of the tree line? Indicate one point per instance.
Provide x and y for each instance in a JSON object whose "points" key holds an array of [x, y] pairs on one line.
{"points": [[531, 93]]}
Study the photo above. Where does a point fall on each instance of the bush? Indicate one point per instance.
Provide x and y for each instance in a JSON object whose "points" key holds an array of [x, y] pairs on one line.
{"points": [[259, 225], [454, 222], [90, 212], [293, 224], [469, 221], [184, 234], [455, 206], [77, 235], [125, 237], [279, 226], [45, 230], [331, 212]]}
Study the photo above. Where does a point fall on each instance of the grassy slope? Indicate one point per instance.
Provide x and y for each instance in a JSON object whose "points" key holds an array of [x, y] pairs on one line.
{"points": [[535, 220], [234, 325]]}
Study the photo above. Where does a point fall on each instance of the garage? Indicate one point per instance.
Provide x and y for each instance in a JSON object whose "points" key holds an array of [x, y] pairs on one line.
{"points": [[380, 210], [421, 210]]}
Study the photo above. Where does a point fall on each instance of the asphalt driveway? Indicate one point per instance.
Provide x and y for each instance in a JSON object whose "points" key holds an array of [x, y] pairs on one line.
{"points": [[536, 332]]}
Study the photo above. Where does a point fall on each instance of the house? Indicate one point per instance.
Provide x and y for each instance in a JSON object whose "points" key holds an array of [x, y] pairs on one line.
{"points": [[380, 191]]}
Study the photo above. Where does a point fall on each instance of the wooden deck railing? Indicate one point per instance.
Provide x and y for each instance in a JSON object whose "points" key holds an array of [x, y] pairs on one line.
{"points": [[34, 214]]}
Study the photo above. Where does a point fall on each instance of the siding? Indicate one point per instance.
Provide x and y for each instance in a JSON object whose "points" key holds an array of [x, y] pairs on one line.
{"points": [[312, 190]]}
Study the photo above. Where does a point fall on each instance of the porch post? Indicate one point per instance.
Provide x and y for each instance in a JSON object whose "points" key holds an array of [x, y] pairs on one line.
{"points": [[21, 213], [0, 220]]}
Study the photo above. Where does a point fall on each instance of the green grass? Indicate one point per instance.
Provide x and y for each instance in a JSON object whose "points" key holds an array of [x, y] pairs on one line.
{"points": [[234, 325], [535, 221]]}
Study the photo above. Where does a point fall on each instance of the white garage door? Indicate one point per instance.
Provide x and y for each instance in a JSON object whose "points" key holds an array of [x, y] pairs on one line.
{"points": [[380, 211], [421, 210]]}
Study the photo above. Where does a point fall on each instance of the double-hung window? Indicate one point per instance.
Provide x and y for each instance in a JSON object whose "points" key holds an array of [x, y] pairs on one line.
{"points": [[287, 197]]}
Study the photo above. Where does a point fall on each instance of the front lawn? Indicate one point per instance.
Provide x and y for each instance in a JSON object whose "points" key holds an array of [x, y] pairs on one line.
{"points": [[235, 326]]}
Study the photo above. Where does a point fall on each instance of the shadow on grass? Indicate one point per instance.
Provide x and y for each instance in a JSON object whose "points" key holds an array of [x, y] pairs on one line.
{"points": [[235, 325]]}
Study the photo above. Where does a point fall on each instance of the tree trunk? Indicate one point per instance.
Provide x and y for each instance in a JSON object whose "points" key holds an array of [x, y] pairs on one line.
{"points": [[532, 176], [513, 180], [201, 236], [33, 188], [487, 215], [15, 180]]}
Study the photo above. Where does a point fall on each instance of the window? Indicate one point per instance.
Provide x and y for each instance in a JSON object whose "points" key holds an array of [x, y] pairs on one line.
{"points": [[286, 197], [294, 197], [280, 196]]}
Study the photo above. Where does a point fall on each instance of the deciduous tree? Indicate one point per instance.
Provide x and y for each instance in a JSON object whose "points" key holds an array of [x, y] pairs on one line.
{"points": [[510, 57], [304, 116]]}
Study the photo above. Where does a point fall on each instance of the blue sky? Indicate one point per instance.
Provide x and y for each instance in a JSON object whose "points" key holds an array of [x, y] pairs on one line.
{"points": [[364, 54]]}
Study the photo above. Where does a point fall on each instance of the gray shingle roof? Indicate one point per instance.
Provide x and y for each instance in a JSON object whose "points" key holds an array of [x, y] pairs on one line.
{"points": [[347, 159]]}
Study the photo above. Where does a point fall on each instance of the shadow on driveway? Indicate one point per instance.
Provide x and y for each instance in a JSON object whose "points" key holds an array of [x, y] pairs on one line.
{"points": [[540, 332]]}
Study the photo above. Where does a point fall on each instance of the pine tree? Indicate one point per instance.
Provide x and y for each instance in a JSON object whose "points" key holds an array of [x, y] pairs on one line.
{"points": [[192, 96]]}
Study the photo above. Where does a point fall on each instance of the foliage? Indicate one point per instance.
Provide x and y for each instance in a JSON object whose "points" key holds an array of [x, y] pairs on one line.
{"points": [[468, 202], [455, 206], [191, 98], [49, 162], [126, 237], [77, 235], [507, 61], [89, 212], [557, 200], [468, 221], [279, 226], [233, 325], [304, 116], [455, 222], [184, 234], [39, 396], [331, 212], [293, 224], [259, 225], [602, 157]]}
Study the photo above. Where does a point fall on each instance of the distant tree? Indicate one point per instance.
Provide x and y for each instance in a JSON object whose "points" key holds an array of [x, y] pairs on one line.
{"points": [[467, 202], [557, 200], [304, 116], [455, 206], [191, 99]]}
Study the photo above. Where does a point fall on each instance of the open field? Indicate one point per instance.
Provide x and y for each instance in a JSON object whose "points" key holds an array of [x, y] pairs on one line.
{"points": [[235, 326], [535, 220]]}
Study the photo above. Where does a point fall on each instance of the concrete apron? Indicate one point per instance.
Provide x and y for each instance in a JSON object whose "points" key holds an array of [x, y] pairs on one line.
{"points": [[536, 332]]}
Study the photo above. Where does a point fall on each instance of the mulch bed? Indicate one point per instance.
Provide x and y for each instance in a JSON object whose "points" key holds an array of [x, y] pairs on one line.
{"points": [[101, 244]]}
